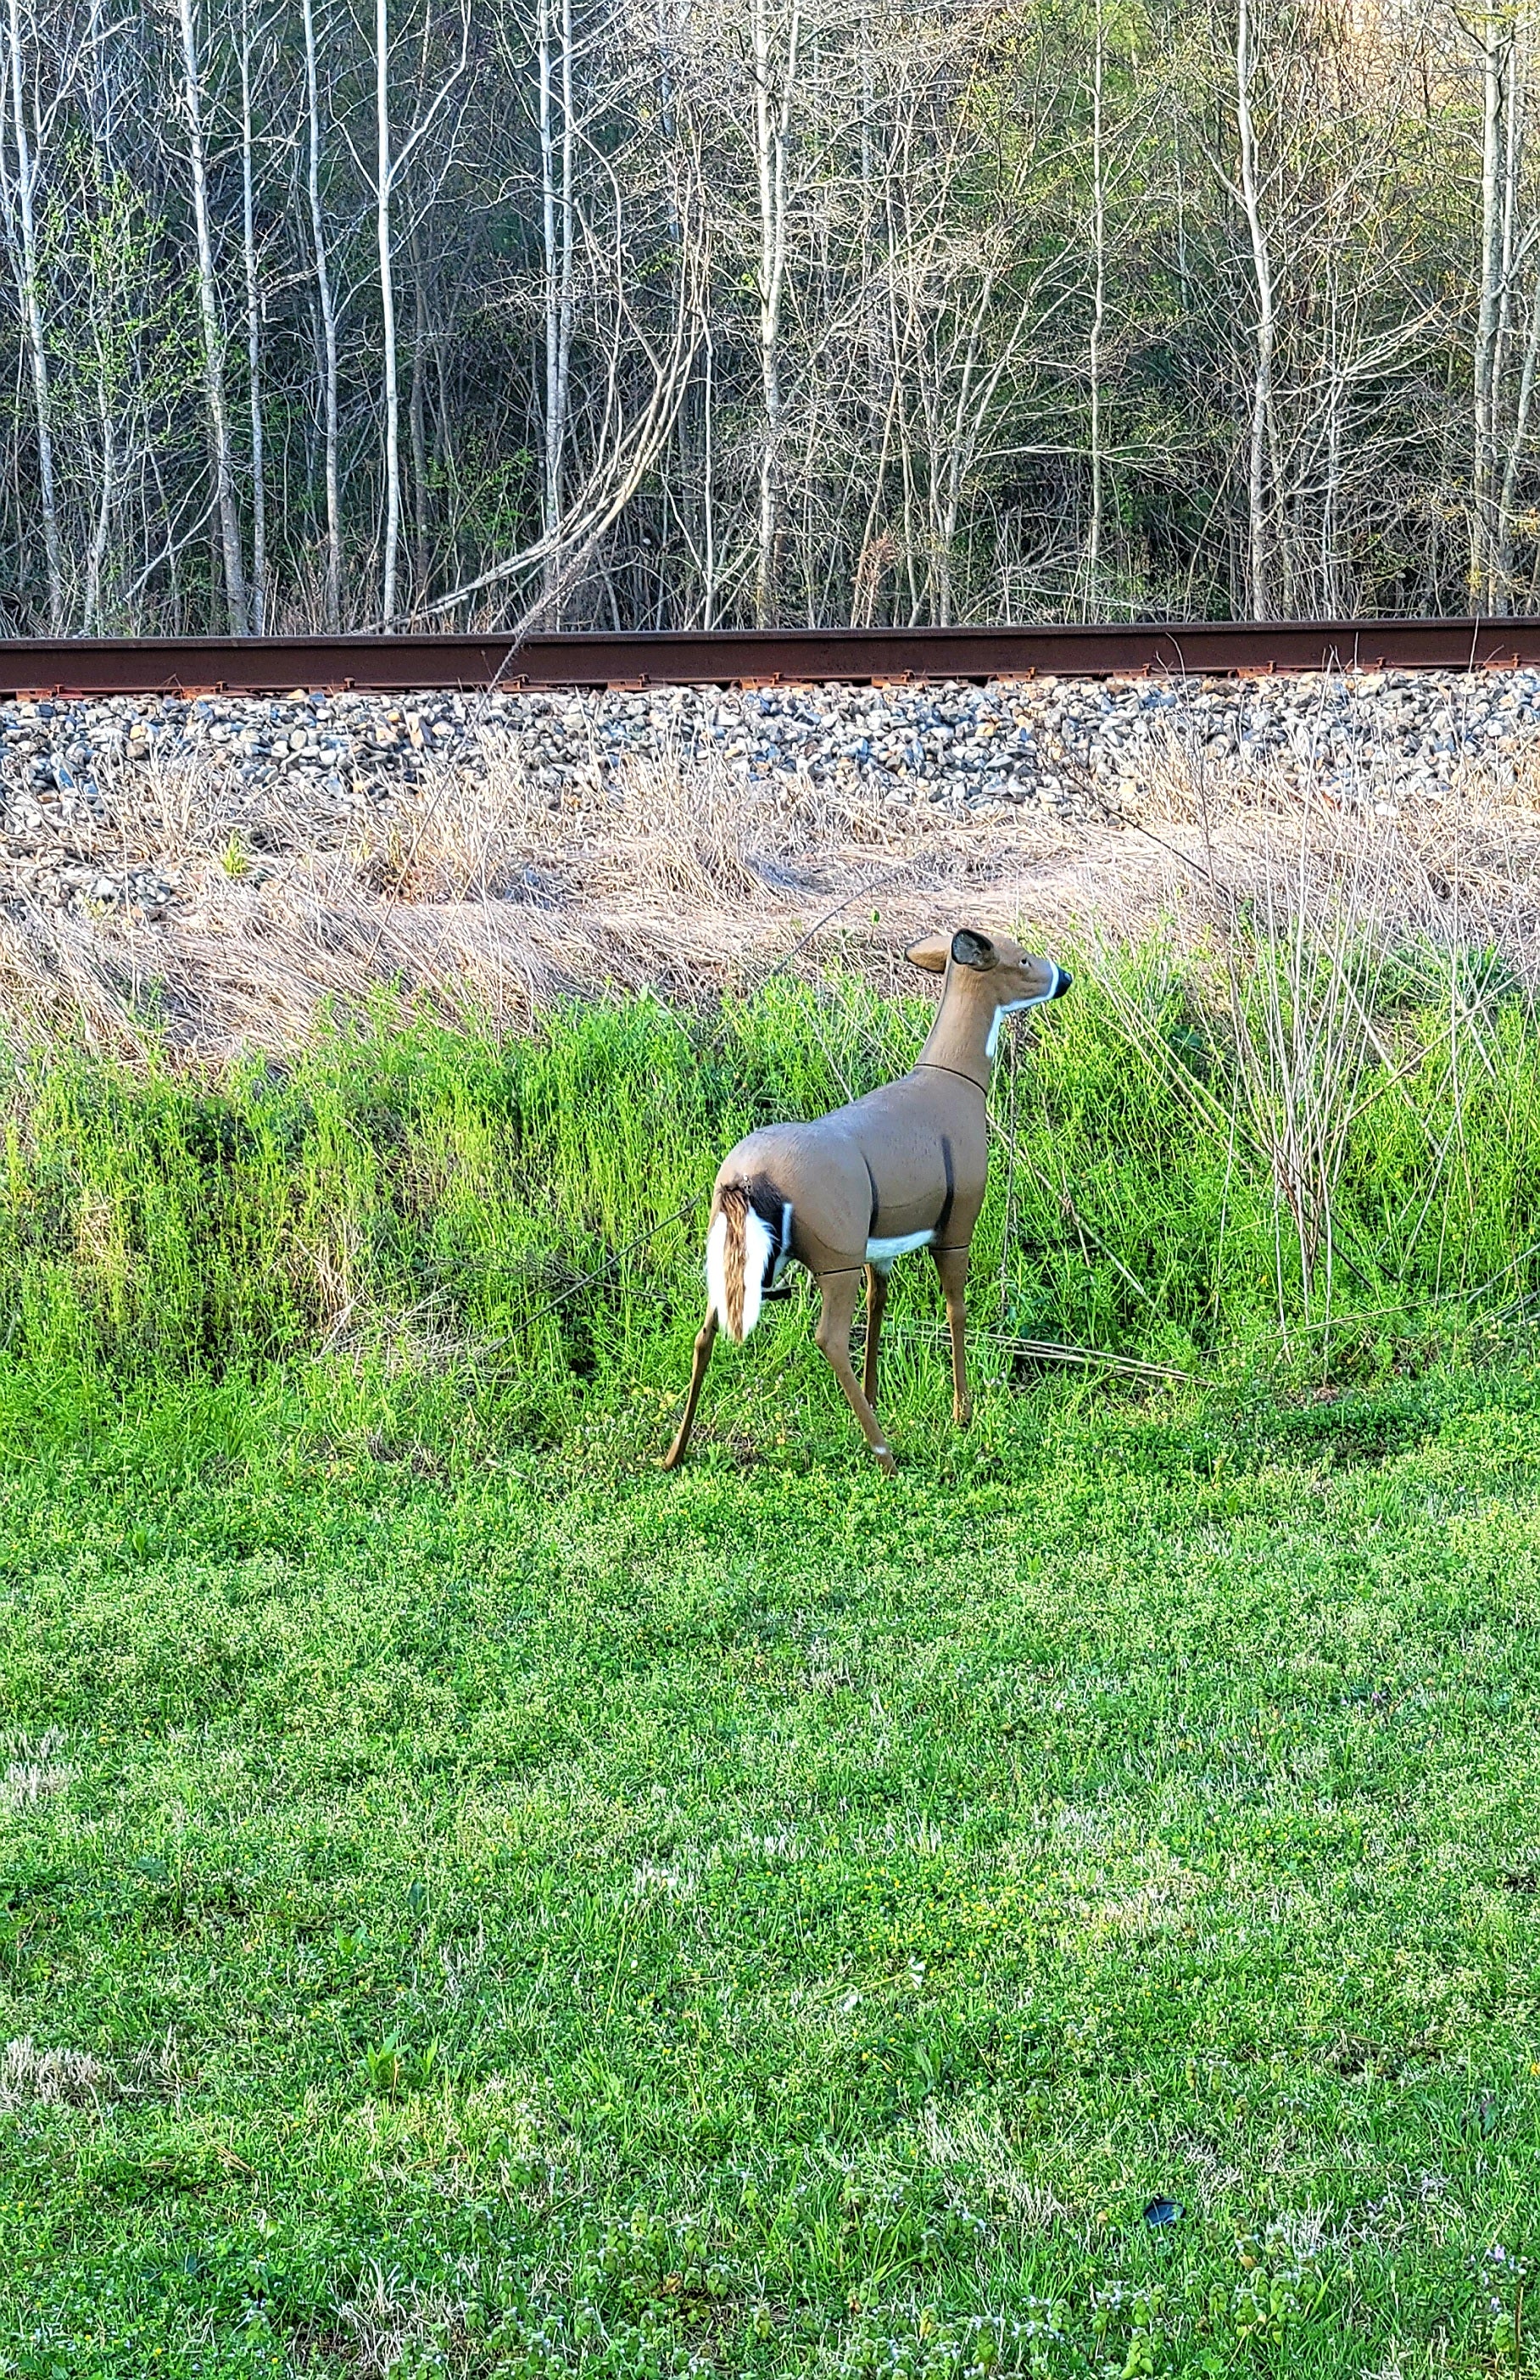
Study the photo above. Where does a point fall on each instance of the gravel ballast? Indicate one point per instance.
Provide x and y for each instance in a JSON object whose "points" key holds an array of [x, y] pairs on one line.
{"points": [[326, 767]]}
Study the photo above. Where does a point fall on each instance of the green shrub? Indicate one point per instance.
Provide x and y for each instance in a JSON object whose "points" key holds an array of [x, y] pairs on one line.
{"points": [[535, 1206]]}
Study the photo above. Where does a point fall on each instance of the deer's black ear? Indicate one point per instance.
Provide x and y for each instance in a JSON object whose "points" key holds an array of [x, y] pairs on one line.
{"points": [[971, 950], [931, 954]]}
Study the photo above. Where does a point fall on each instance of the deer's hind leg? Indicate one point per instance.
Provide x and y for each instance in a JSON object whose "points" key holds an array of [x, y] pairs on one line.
{"points": [[877, 1300], [705, 1340], [953, 1266], [840, 1292]]}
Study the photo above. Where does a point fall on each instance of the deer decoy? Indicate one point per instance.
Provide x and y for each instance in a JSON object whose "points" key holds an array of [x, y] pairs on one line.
{"points": [[902, 1168]]}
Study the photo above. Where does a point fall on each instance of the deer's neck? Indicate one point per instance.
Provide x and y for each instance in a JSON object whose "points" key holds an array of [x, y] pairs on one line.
{"points": [[959, 1040]]}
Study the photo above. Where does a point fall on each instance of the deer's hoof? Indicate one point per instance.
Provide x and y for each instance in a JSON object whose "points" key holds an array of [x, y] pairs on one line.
{"points": [[961, 1413], [885, 1459]]}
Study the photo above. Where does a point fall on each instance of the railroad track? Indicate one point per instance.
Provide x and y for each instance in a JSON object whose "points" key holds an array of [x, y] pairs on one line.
{"points": [[185, 666]]}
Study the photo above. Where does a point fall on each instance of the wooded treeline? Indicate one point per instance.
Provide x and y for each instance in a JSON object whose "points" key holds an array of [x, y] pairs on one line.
{"points": [[674, 313]]}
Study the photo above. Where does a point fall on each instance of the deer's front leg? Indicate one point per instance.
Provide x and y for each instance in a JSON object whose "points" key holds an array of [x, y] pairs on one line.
{"points": [[953, 1266], [705, 1340], [840, 1292], [877, 1299]]}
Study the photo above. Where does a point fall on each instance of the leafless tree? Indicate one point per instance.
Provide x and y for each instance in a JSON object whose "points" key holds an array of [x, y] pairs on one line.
{"points": [[213, 325], [21, 222], [672, 311]]}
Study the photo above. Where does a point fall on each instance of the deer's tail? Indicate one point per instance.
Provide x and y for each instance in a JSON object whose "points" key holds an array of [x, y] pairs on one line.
{"points": [[746, 1246]]}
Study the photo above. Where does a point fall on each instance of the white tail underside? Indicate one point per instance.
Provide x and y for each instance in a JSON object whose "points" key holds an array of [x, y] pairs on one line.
{"points": [[758, 1248]]}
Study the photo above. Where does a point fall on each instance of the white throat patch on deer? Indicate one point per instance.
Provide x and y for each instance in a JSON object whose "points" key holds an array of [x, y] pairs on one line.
{"points": [[847, 1194]]}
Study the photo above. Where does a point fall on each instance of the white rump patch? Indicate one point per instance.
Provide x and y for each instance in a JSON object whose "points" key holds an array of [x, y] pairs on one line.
{"points": [[882, 1252]]}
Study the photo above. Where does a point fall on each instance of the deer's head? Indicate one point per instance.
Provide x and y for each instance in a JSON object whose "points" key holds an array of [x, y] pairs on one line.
{"points": [[988, 977]]}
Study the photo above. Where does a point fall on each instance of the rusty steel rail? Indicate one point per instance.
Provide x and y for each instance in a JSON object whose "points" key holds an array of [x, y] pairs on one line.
{"points": [[267, 666]]}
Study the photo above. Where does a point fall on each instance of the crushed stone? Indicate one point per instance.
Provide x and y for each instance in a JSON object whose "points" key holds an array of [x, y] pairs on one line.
{"points": [[1071, 751]]}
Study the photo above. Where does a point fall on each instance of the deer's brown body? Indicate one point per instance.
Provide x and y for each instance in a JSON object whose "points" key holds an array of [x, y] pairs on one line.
{"points": [[902, 1168]]}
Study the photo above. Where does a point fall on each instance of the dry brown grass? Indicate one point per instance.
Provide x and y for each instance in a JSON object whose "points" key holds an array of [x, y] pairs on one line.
{"points": [[389, 2319], [34, 1771], [31, 2077], [482, 893]]}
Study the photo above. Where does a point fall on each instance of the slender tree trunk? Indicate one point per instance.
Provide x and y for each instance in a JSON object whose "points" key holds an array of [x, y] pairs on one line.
{"points": [[771, 126], [1493, 41], [214, 336], [557, 239], [449, 470], [1331, 576], [1513, 167], [391, 389], [1099, 313], [96, 563], [708, 492], [959, 442], [550, 459], [1517, 439], [670, 121], [867, 98], [565, 308], [37, 349], [1258, 496], [253, 342], [417, 421], [326, 306]]}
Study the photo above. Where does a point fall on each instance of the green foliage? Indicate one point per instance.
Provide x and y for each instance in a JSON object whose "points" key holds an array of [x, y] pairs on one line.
{"points": [[533, 1209], [471, 1903], [479, 1907]]}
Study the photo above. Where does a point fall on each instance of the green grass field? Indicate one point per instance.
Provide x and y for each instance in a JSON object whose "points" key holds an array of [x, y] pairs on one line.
{"points": [[471, 1903]]}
